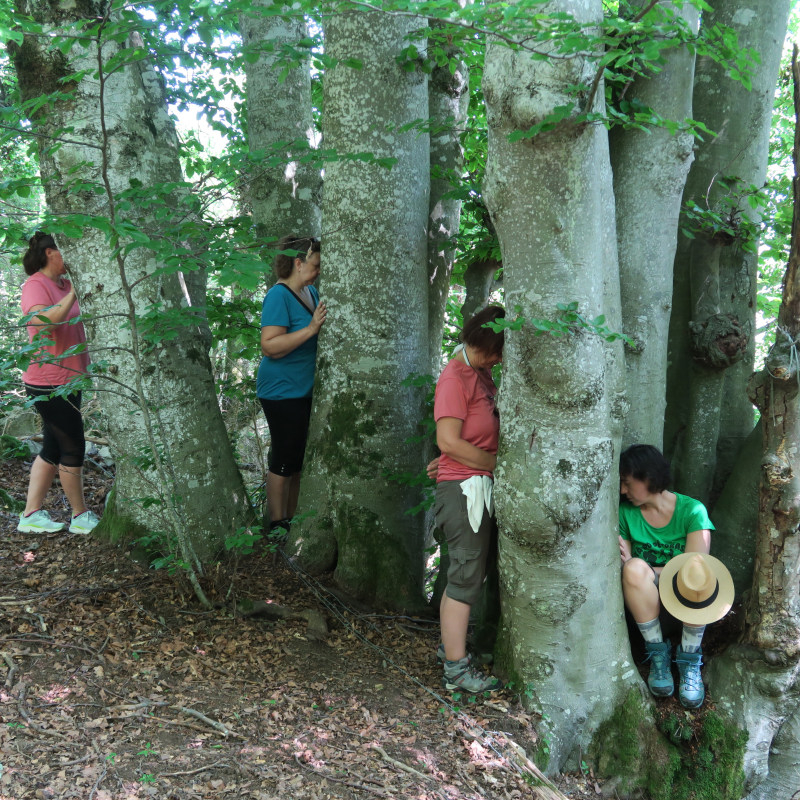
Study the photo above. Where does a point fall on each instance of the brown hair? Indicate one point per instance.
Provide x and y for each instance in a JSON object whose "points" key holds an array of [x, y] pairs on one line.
{"points": [[485, 339], [301, 245], [35, 257]]}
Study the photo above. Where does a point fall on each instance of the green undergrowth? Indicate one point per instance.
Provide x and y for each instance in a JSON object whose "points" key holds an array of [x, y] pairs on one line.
{"points": [[671, 754]]}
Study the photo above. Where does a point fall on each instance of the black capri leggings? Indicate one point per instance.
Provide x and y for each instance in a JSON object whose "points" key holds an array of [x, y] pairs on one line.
{"points": [[288, 429], [62, 426]]}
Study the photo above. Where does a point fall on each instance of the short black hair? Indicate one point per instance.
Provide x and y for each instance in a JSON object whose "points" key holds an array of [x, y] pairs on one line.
{"points": [[645, 463], [481, 338]]}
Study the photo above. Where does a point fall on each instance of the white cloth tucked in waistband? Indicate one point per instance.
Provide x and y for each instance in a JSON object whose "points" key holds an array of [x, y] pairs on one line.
{"points": [[478, 491]]}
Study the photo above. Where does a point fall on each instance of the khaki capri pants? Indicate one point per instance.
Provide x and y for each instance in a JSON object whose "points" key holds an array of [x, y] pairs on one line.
{"points": [[468, 550]]}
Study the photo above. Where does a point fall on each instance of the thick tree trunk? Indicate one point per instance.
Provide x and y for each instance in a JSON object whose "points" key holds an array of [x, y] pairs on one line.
{"points": [[650, 169], [711, 340], [758, 679], [158, 398], [284, 192], [375, 282], [557, 483], [478, 282], [448, 98]]}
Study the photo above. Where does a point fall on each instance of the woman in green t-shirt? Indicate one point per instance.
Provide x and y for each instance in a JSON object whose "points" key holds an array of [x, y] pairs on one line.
{"points": [[655, 525]]}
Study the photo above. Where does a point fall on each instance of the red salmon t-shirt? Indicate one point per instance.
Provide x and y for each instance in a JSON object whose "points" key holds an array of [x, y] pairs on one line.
{"points": [[39, 290], [467, 394]]}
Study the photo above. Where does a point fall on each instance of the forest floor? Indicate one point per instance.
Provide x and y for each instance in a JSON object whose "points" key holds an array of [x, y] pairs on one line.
{"points": [[116, 683]]}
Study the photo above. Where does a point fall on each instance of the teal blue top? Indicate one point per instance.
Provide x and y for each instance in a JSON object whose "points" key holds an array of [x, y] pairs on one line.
{"points": [[293, 375]]}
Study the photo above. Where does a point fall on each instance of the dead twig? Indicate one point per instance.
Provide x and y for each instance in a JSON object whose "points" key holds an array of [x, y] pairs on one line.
{"points": [[97, 783], [12, 669], [217, 726], [23, 712], [400, 764], [328, 777], [194, 771]]}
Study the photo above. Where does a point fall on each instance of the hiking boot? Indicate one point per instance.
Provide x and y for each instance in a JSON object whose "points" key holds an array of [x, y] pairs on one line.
{"points": [[659, 681], [38, 522], [462, 676], [479, 658], [84, 523], [691, 691]]}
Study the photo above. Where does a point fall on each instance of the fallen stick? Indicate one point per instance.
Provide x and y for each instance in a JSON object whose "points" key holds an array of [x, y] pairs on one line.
{"points": [[218, 726], [97, 783], [328, 777], [12, 669], [400, 764], [23, 712], [194, 771]]}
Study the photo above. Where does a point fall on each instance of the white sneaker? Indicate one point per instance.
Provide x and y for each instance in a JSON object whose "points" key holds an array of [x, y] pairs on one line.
{"points": [[38, 522], [84, 523]]}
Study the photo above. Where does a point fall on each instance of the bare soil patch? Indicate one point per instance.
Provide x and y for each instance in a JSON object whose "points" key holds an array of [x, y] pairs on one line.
{"points": [[115, 683]]}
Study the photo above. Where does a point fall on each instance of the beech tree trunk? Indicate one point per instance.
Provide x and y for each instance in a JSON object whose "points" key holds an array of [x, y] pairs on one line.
{"points": [[551, 202], [757, 679], [448, 98], [175, 467], [650, 169], [375, 282], [283, 190], [711, 341]]}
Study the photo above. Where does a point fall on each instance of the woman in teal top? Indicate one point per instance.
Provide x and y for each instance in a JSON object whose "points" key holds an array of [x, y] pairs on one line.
{"points": [[291, 318], [654, 526]]}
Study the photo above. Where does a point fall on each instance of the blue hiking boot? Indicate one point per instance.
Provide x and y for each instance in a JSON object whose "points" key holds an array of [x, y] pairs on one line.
{"points": [[659, 681], [691, 691]]}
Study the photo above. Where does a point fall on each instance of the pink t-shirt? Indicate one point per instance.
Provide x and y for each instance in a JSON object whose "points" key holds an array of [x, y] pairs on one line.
{"points": [[467, 394], [39, 290]]}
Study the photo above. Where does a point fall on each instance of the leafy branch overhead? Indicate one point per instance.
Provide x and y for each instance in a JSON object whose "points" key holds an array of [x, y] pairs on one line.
{"points": [[568, 321]]}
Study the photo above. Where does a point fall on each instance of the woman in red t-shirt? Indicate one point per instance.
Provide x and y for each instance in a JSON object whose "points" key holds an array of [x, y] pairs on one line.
{"points": [[49, 297], [467, 430]]}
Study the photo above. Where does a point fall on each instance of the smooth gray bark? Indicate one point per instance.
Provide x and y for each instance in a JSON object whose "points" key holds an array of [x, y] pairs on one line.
{"points": [[758, 678], [448, 98], [375, 283], [158, 398], [556, 481], [284, 192], [735, 514], [715, 279], [650, 169]]}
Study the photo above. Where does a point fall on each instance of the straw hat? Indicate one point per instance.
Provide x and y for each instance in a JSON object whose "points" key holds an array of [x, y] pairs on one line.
{"points": [[696, 588]]}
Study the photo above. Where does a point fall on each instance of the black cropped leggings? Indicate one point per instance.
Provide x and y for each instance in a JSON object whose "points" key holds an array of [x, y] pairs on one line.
{"points": [[62, 425]]}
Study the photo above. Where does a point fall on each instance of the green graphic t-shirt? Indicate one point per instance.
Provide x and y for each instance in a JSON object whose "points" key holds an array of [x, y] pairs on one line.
{"points": [[656, 546]]}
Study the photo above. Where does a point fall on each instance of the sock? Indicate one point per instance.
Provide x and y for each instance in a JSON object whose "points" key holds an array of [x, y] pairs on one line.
{"points": [[651, 630], [691, 638]]}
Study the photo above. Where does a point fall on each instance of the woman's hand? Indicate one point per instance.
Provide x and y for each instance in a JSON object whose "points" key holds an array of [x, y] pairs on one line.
{"points": [[624, 549], [55, 314], [318, 319], [276, 342]]}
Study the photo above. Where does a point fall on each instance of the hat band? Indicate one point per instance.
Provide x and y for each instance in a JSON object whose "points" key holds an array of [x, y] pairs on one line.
{"points": [[694, 603]]}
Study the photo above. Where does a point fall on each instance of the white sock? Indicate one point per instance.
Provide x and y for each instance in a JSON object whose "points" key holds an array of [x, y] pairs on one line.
{"points": [[691, 638], [651, 630]]}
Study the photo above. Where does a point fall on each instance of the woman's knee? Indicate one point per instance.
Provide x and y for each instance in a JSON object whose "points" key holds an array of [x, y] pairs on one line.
{"points": [[637, 573]]}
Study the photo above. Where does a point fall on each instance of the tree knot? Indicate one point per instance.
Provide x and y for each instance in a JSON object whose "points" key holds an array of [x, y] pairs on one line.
{"points": [[719, 341]]}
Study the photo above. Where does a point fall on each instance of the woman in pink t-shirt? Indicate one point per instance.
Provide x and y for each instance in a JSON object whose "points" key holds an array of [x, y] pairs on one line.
{"points": [[49, 301], [467, 430]]}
